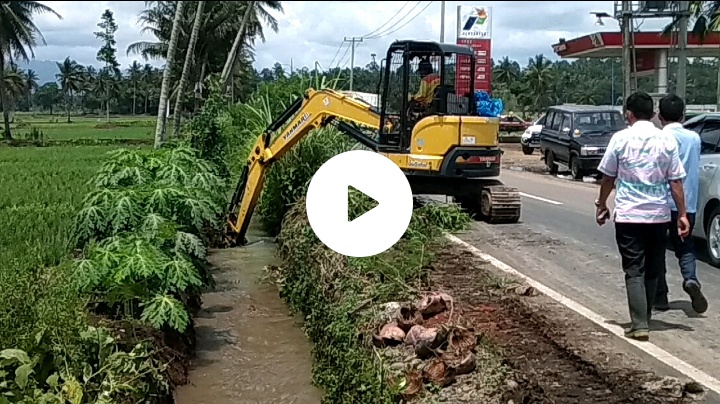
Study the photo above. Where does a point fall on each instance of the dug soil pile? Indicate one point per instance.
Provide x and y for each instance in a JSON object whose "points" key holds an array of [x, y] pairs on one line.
{"points": [[538, 356]]}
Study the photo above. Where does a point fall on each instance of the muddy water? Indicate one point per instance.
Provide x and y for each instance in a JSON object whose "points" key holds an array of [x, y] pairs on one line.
{"points": [[249, 349]]}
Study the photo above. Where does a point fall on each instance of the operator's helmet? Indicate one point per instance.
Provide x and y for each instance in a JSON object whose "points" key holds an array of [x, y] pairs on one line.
{"points": [[425, 68]]}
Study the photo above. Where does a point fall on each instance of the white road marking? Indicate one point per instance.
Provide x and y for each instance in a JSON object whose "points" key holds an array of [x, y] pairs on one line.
{"points": [[647, 347], [540, 198]]}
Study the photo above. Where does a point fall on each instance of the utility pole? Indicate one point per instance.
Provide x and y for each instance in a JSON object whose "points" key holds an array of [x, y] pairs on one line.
{"points": [[442, 22], [681, 84], [626, 58], [353, 41]]}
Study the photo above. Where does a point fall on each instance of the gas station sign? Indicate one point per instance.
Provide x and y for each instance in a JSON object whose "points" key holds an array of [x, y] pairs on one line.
{"points": [[474, 29]]}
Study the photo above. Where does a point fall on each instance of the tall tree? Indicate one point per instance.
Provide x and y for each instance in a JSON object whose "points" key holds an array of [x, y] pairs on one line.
{"points": [[107, 53], [18, 36], [189, 56], [134, 75], [70, 78], [165, 88], [254, 12], [31, 85]]}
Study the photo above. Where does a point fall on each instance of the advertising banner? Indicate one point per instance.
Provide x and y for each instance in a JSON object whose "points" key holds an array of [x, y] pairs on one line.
{"points": [[474, 29]]}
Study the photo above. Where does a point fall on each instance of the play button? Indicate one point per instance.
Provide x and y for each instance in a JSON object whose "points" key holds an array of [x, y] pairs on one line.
{"points": [[352, 214], [375, 228]]}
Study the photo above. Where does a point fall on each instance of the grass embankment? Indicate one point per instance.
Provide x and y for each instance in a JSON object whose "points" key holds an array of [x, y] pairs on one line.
{"points": [[101, 267], [338, 296]]}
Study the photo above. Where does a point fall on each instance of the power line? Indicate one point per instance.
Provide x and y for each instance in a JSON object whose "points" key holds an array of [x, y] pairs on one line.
{"points": [[406, 23], [342, 43], [347, 62], [386, 22], [343, 56], [377, 35]]}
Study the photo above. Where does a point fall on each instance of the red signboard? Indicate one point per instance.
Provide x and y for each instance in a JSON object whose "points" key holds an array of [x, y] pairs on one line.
{"points": [[482, 75], [645, 61]]}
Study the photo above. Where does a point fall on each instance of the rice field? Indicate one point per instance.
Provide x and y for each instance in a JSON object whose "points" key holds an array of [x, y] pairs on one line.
{"points": [[56, 127], [41, 189]]}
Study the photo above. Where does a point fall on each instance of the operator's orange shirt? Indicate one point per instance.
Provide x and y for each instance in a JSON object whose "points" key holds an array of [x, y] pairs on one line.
{"points": [[428, 84]]}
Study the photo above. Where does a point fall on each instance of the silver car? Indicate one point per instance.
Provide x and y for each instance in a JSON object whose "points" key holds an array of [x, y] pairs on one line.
{"points": [[707, 218]]}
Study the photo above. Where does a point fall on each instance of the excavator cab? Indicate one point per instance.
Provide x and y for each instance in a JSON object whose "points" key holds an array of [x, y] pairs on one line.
{"points": [[422, 79]]}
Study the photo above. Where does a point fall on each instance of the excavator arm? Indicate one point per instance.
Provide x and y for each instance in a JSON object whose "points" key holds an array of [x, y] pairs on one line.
{"points": [[314, 110]]}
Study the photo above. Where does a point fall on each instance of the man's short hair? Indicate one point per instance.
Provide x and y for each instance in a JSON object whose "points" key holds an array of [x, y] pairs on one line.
{"points": [[641, 105], [672, 108]]}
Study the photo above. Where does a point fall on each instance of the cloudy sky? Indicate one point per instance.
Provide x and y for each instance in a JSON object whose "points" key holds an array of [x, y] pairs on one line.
{"points": [[313, 31]]}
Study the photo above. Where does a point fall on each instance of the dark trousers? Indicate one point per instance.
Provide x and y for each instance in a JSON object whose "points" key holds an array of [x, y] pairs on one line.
{"points": [[685, 254], [642, 248]]}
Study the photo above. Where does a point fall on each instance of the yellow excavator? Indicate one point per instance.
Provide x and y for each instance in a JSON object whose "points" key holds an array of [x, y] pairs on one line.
{"points": [[434, 135]]}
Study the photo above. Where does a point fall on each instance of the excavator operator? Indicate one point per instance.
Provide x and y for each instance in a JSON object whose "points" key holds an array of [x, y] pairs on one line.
{"points": [[429, 81]]}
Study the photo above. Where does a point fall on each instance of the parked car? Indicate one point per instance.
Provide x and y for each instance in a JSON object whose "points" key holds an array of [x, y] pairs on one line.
{"points": [[577, 136], [530, 139], [707, 218], [512, 123]]}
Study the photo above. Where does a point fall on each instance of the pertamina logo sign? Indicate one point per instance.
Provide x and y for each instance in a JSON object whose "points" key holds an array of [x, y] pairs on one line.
{"points": [[474, 22]]}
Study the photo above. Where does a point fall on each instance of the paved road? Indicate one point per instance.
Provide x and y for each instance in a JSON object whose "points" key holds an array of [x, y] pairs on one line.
{"points": [[559, 244]]}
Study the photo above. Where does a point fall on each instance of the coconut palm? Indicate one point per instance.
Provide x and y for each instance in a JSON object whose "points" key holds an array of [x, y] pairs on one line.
{"points": [[189, 55], [165, 88], [506, 71], [538, 77], [18, 36], [134, 73], [250, 26], [31, 85], [70, 78]]}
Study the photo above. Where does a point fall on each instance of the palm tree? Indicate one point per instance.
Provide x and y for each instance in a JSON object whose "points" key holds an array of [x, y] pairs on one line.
{"points": [[506, 71], [70, 78], [18, 36], [31, 85], [87, 85], [134, 74], [14, 82], [147, 78], [254, 12], [165, 88], [189, 55], [538, 77]]}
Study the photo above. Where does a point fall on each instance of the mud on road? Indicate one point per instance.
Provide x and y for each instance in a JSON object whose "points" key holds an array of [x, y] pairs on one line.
{"points": [[552, 357]]}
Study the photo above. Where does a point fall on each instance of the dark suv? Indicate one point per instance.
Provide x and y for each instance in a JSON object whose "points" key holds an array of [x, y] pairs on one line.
{"points": [[577, 136]]}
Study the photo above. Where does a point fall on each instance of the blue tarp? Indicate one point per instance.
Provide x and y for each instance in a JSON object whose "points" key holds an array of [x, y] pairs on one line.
{"points": [[488, 106]]}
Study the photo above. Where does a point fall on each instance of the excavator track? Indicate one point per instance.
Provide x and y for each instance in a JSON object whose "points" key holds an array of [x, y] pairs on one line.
{"points": [[500, 204]]}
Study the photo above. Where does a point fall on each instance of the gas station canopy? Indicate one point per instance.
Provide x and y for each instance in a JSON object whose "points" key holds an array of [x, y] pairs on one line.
{"points": [[609, 45]]}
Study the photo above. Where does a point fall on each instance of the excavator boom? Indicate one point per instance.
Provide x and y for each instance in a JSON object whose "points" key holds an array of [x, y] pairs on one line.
{"points": [[315, 109]]}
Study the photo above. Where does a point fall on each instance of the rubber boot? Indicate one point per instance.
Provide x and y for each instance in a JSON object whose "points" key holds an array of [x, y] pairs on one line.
{"points": [[638, 304], [651, 295]]}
